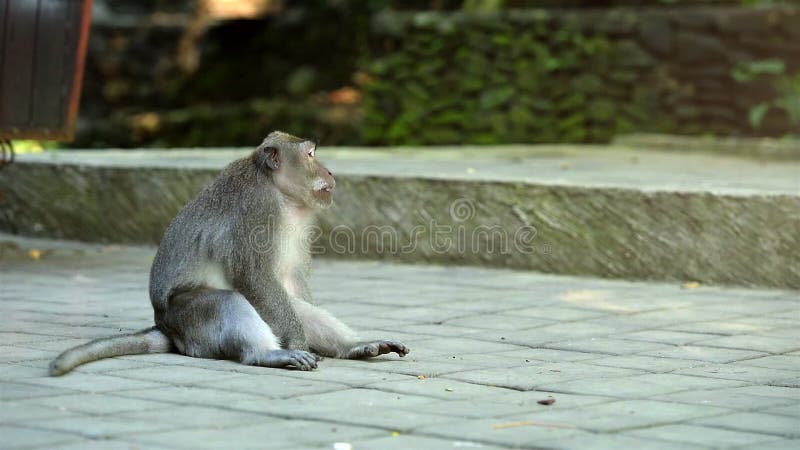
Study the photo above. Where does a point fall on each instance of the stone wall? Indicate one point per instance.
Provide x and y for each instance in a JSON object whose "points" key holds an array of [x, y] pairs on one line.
{"points": [[599, 229], [429, 78], [576, 76]]}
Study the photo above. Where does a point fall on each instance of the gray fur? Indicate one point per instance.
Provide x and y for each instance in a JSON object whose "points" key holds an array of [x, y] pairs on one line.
{"points": [[230, 280], [150, 340]]}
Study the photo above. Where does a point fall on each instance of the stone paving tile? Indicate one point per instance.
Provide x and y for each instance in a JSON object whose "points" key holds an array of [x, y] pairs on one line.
{"points": [[740, 372], [699, 435], [755, 423], [455, 346], [559, 332], [632, 387], [757, 343], [665, 336], [498, 322], [788, 410], [630, 365], [23, 437], [607, 346], [441, 388], [189, 395], [783, 362], [550, 355], [403, 420], [589, 440], [16, 354], [782, 444], [629, 414], [790, 314], [88, 403], [767, 322], [16, 391], [687, 319], [509, 404], [715, 326], [20, 412], [437, 329], [115, 364], [647, 363], [92, 382], [105, 444], [783, 333], [341, 374], [406, 442], [273, 386], [793, 382], [11, 372], [102, 427], [195, 416], [529, 378], [271, 433], [555, 313], [708, 354], [740, 399], [518, 431], [172, 374]]}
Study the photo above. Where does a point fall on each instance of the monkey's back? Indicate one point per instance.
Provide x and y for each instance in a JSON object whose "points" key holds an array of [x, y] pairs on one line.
{"points": [[198, 238]]}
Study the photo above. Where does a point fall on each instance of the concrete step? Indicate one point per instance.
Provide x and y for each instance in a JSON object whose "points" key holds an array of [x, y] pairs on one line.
{"points": [[582, 210]]}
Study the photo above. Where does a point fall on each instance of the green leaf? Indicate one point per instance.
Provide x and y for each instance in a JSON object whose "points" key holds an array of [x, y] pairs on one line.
{"points": [[771, 66], [757, 114]]}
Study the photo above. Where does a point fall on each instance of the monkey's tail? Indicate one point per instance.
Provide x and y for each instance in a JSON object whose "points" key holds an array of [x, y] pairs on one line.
{"points": [[150, 340]]}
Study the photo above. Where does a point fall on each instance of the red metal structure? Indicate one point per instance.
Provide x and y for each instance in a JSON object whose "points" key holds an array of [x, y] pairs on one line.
{"points": [[42, 51]]}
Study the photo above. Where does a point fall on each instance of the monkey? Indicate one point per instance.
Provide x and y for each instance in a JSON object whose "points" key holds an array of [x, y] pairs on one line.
{"points": [[230, 277]]}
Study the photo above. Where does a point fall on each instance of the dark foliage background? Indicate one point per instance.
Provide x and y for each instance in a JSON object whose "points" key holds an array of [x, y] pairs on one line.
{"points": [[190, 73]]}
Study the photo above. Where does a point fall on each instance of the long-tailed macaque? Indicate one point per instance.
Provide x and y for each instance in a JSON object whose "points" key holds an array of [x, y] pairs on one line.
{"points": [[218, 292]]}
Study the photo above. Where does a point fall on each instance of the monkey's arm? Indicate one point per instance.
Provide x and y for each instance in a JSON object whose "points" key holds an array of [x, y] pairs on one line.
{"points": [[274, 305]]}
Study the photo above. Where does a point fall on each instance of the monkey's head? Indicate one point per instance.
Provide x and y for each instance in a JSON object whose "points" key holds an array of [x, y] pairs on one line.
{"points": [[293, 164]]}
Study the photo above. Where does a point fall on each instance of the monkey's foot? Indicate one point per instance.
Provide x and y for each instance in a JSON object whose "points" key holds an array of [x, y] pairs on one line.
{"points": [[296, 359], [371, 349]]}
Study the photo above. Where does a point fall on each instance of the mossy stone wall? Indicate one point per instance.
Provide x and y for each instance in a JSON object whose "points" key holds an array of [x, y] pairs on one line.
{"points": [[546, 75], [572, 75]]}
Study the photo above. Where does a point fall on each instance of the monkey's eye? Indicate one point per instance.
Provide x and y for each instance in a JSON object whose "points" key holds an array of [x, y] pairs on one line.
{"points": [[311, 153]]}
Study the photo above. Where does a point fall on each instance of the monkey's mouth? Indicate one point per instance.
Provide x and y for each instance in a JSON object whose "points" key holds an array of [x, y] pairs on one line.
{"points": [[324, 191]]}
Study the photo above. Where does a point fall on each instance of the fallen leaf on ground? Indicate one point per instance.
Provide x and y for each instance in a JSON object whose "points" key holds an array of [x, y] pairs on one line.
{"points": [[547, 401], [421, 377], [35, 253], [691, 285]]}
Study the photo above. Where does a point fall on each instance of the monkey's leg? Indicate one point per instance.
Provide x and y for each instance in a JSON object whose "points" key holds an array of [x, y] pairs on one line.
{"points": [[222, 324], [328, 336]]}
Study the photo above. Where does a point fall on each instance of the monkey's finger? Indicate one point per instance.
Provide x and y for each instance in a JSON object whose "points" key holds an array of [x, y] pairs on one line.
{"points": [[299, 364], [302, 360], [394, 346], [309, 359]]}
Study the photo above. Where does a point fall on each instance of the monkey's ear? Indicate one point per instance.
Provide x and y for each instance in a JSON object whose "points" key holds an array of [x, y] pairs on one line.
{"points": [[270, 157]]}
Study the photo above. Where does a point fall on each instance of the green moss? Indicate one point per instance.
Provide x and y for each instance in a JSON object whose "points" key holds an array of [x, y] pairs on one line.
{"points": [[490, 80]]}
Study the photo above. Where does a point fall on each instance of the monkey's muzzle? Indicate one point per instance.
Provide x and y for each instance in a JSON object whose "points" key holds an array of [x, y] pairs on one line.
{"points": [[323, 191]]}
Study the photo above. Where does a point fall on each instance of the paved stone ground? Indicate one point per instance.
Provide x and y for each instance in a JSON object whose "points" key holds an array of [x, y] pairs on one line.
{"points": [[630, 365]]}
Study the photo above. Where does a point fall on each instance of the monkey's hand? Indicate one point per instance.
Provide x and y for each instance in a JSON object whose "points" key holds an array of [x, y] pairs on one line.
{"points": [[296, 359], [371, 349]]}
